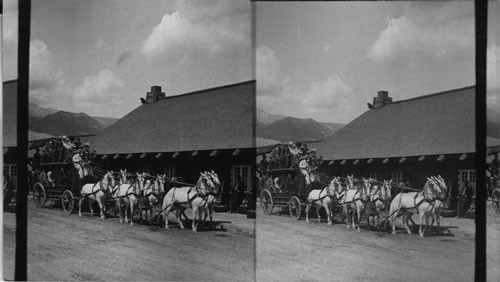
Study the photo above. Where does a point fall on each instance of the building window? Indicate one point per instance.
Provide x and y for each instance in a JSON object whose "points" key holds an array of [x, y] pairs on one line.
{"points": [[397, 176], [467, 175], [10, 169], [169, 172], [244, 172]]}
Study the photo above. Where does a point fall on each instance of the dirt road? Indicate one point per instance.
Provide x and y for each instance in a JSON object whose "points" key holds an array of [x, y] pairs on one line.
{"points": [[492, 243], [294, 250], [66, 247]]}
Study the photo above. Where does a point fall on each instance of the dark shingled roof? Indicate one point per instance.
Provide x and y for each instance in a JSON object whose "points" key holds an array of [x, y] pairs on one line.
{"points": [[9, 117], [440, 123], [216, 118]]}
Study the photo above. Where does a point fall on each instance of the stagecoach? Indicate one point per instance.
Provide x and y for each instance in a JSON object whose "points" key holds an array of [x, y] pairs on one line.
{"points": [[284, 188], [59, 186]]}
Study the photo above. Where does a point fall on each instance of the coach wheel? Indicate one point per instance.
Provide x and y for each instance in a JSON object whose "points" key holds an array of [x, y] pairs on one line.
{"points": [[266, 201], [295, 207], [68, 201], [39, 196]]}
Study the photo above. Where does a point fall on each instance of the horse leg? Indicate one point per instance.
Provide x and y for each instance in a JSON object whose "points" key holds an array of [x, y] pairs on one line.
{"points": [[132, 204], [80, 206], [420, 228], [90, 207], [328, 214], [317, 208], [195, 212], [407, 216], [178, 216], [359, 219], [165, 215], [346, 213], [101, 208], [308, 207]]}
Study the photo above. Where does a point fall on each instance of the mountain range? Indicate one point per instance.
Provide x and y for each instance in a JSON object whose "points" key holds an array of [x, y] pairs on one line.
{"points": [[493, 123], [285, 128], [56, 123], [269, 126]]}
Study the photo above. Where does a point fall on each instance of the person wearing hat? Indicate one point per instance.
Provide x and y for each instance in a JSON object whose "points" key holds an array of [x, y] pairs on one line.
{"points": [[465, 197], [77, 162]]}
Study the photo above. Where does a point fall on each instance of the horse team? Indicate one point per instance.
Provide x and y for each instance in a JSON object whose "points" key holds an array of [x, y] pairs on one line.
{"points": [[145, 191], [373, 198]]}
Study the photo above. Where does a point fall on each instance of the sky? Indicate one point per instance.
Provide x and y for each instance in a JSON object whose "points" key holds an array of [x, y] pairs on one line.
{"points": [[100, 57], [493, 56], [326, 60]]}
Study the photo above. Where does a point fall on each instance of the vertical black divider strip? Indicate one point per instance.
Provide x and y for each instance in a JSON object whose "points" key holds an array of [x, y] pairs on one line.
{"points": [[24, 17], [481, 18]]}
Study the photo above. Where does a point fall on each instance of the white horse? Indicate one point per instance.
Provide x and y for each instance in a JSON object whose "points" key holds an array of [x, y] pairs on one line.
{"points": [[356, 201], [152, 192], [438, 206], [188, 197], [380, 200], [129, 194], [422, 203], [323, 198], [96, 192], [212, 197]]}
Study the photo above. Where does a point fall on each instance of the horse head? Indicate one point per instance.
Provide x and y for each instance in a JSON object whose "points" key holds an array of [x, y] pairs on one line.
{"points": [[350, 182], [123, 176], [365, 191], [386, 190], [108, 181], [139, 183], [442, 188], [431, 191], [215, 179], [204, 183], [160, 184]]}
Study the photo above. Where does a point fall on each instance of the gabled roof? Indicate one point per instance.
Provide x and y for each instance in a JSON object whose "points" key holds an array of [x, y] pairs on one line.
{"points": [[440, 123], [216, 118], [9, 116]]}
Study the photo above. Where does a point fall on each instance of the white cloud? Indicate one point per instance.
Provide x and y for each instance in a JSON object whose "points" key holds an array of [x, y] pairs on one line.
{"points": [[46, 81], [268, 71], [493, 77], [327, 94], [102, 89], [276, 93], [326, 47], [404, 36], [492, 67], [10, 20], [210, 26]]}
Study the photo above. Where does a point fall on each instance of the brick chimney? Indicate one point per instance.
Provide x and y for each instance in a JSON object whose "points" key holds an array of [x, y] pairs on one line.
{"points": [[381, 100], [154, 95]]}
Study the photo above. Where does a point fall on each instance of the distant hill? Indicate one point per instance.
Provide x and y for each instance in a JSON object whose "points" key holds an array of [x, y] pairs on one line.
{"points": [[66, 123], [333, 126], [39, 112], [267, 118], [56, 122], [294, 129], [493, 123], [106, 121]]}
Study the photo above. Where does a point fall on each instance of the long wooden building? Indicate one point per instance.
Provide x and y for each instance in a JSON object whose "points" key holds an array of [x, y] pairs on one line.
{"points": [[184, 134], [408, 140]]}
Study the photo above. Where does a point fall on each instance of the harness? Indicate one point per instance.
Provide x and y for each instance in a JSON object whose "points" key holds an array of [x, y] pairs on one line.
{"points": [[101, 188]]}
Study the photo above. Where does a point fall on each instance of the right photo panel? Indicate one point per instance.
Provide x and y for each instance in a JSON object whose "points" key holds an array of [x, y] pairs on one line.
{"points": [[366, 141], [493, 143]]}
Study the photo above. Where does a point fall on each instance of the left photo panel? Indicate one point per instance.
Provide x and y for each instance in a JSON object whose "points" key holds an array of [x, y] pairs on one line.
{"points": [[141, 140]]}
